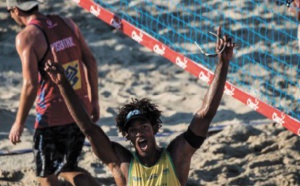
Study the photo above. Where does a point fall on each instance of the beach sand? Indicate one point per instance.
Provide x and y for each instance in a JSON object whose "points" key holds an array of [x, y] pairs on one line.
{"points": [[251, 150]]}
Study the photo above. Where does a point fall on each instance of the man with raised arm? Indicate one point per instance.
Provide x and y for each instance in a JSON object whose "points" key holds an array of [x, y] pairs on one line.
{"points": [[139, 121], [57, 139]]}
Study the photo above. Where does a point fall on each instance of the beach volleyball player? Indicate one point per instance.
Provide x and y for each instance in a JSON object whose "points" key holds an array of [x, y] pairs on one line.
{"points": [[57, 139], [139, 121]]}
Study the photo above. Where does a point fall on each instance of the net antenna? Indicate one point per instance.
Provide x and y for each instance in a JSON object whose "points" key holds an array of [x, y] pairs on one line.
{"points": [[212, 54]]}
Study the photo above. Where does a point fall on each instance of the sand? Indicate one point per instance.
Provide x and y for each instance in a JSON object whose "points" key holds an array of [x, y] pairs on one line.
{"points": [[251, 150]]}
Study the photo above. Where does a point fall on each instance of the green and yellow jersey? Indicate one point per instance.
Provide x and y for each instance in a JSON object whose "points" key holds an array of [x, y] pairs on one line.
{"points": [[160, 174]]}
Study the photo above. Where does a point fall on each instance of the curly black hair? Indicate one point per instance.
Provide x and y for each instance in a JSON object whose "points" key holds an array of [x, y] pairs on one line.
{"points": [[148, 109]]}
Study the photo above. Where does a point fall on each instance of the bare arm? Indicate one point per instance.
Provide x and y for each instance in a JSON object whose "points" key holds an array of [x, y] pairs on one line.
{"points": [[115, 156], [25, 48], [203, 117], [103, 148], [112, 154], [100, 142]]}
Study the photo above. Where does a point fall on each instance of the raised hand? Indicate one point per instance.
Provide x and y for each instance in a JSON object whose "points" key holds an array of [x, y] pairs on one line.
{"points": [[227, 53], [55, 70]]}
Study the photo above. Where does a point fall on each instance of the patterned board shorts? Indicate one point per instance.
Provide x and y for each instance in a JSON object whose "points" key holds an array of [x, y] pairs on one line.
{"points": [[56, 149]]}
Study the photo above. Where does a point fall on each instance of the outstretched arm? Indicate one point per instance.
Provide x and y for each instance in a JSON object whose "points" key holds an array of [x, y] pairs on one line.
{"points": [[203, 117], [101, 144], [99, 140], [192, 139]]}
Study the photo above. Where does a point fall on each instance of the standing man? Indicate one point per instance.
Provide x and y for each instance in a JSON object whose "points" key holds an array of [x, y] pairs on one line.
{"points": [[57, 140], [139, 121]]}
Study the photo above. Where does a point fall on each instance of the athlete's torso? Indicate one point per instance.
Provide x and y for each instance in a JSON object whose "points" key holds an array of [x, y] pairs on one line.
{"points": [[160, 174], [51, 109]]}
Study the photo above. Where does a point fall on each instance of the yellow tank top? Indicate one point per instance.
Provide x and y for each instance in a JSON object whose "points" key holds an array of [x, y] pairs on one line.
{"points": [[160, 174]]}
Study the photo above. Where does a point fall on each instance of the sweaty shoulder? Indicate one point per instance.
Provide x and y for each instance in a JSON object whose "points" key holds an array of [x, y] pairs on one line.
{"points": [[32, 39], [30, 36]]}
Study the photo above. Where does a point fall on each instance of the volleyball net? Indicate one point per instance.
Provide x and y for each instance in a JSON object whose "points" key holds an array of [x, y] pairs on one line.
{"points": [[264, 73]]}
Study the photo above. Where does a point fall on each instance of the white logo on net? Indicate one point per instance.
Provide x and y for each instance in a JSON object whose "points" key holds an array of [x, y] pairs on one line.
{"points": [[181, 63], [204, 77], [158, 50], [278, 119], [95, 11], [137, 37], [253, 105]]}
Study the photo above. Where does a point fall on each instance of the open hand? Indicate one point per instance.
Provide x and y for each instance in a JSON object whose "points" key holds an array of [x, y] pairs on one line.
{"points": [[55, 70], [226, 42]]}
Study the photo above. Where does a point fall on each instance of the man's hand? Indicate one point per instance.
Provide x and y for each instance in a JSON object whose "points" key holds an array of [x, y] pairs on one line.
{"points": [[227, 53], [15, 133], [55, 70]]}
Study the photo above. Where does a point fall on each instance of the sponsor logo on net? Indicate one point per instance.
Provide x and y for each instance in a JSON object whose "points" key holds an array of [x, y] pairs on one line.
{"points": [[253, 105], [181, 63], [204, 77], [95, 11], [279, 120], [137, 37], [158, 50]]}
